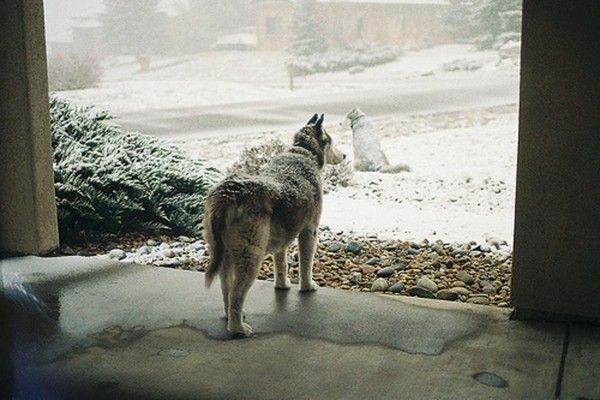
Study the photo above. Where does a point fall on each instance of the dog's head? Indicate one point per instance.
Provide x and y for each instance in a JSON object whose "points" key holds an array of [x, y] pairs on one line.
{"points": [[352, 116], [314, 138]]}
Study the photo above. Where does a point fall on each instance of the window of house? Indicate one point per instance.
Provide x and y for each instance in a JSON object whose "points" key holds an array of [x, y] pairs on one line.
{"points": [[274, 26]]}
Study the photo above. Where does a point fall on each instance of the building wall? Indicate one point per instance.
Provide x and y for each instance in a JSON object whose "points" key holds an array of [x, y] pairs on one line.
{"points": [[409, 26], [273, 24], [403, 25]]}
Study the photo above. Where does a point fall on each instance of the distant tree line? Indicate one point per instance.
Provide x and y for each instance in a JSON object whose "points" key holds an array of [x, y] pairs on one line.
{"points": [[485, 23], [140, 28]]}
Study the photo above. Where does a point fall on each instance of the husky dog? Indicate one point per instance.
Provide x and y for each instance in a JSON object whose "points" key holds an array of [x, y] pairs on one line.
{"points": [[247, 217], [368, 155]]}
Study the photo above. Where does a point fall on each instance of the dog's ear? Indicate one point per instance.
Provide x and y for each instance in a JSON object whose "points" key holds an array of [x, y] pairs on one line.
{"points": [[319, 123], [313, 119]]}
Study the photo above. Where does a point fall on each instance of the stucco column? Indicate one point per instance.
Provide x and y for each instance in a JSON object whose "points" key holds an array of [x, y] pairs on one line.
{"points": [[557, 227], [28, 222]]}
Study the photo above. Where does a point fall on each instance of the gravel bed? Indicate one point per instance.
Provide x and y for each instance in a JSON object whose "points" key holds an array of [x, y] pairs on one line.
{"points": [[472, 272]]}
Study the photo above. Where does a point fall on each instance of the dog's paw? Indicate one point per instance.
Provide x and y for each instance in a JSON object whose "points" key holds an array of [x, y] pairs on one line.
{"points": [[310, 287], [241, 332], [285, 285]]}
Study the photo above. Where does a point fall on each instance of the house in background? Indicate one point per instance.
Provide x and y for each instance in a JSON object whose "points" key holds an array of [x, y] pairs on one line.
{"points": [[403, 23]]}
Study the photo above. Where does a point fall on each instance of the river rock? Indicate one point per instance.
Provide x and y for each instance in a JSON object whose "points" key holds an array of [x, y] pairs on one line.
{"points": [[386, 272], [334, 247], [367, 269], [380, 285], [420, 292], [397, 287], [428, 284], [465, 277], [144, 250], [460, 290], [446, 294], [354, 247], [117, 254], [478, 300]]}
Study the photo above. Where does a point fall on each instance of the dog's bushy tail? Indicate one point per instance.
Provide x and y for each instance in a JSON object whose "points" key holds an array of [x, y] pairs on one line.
{"points": [[396, 168], [214, 224]]}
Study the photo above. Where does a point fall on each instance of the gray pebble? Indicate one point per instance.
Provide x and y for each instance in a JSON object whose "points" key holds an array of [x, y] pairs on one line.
{"points": [[68, 251], [379, 285], [489, 289], [168, 253], [428, 284], [117, 254], [386, 272], [373, 261], [445, 294], [354, 247], [439, 249], [465, 277], [397, 287], [420, 292], [460, 290], [144, 250], [478, 300], [334, 247], [399, 266]]}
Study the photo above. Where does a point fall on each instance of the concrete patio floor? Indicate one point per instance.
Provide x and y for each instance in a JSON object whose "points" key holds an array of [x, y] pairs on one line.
{"points": [[99, 329]]}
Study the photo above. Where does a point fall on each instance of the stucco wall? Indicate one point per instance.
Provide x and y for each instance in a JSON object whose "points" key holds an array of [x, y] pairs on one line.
{"points": [[557, 225], [28, 223]]}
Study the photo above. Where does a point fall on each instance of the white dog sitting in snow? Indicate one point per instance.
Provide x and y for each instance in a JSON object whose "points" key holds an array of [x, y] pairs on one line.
{"points": [[368, 156]]}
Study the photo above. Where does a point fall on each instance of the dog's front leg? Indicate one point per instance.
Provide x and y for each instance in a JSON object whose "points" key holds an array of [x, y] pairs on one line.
{"points": [[281, 271], [307, 244]]}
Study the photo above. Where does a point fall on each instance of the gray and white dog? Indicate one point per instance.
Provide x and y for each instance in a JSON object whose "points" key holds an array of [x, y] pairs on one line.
{"points": [[247, 217], [368, 156]]}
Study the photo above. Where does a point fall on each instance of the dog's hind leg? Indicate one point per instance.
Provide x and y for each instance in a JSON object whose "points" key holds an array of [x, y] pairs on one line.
{"points": [[225, 278], [307, 244], [245, 273], [281, 270]]}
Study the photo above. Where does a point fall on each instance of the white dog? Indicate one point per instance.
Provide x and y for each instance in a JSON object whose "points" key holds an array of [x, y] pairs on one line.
{"points": [[368, 155]]}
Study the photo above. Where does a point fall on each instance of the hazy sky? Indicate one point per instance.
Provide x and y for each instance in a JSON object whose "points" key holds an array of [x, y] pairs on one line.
{"points": [[62, 14]]}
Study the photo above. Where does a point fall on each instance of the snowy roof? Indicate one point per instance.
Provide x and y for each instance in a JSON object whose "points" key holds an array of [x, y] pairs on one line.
{"points": [[441, 2]]}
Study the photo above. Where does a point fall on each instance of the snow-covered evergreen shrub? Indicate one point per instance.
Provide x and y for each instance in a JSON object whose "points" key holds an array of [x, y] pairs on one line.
{"points": [[359, 54], [73, 71], [252, 159], [108, 181]]}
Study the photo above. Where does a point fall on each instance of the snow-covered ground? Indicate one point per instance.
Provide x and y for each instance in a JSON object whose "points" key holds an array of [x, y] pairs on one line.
{"points": [[213, 78], [463, 162], [461, 186]]}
